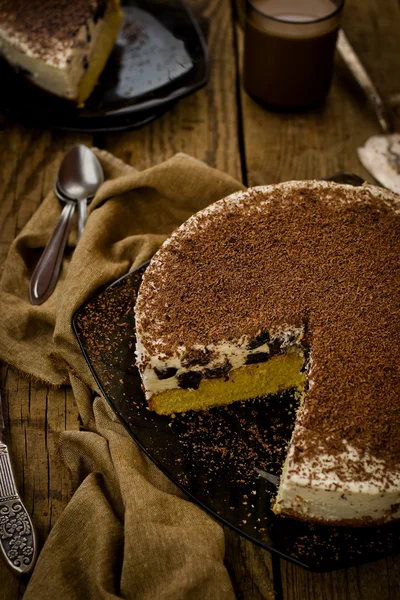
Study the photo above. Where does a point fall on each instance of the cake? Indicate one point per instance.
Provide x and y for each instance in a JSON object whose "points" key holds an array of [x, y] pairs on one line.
{"points": [[289, 286], [61, 46]]}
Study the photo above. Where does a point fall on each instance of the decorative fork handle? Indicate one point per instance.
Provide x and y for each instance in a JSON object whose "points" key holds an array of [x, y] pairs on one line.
{"points": [[17, 536]]}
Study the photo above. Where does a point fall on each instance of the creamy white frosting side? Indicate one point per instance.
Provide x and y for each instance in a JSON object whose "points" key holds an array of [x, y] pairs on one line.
{"points": [[316, 487]]}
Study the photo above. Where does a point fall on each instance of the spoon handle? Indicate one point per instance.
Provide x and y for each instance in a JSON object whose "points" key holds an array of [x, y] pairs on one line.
{"points": [[82, 216], [45, 276], [352, 61]]}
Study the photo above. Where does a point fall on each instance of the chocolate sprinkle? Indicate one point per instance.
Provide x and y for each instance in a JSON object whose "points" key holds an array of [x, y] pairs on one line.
{"points": [[316, 255]]}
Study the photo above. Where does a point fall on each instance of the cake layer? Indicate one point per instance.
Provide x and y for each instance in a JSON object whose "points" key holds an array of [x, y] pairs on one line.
{"points": [[99, 51], [61, 47], [250, 381]]}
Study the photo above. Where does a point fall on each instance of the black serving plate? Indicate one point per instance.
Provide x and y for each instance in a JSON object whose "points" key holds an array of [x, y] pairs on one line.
{"points": [[160, 56], [217, 457]]}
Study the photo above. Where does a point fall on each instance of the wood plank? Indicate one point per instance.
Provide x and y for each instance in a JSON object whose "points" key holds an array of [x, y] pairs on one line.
{"points": [[250, 568], [280, 147], [34, 414], [375, 581]]}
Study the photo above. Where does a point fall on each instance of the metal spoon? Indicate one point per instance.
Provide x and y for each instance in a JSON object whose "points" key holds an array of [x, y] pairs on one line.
{"points": [[79, 178], [45, 275], [380, 154]]}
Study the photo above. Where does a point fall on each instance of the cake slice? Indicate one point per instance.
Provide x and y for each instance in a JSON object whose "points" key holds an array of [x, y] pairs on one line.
{"points": [[59, 46], [293, 286]]}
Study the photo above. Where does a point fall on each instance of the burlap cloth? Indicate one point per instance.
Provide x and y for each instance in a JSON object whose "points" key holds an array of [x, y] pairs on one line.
{"points": [[127, 532]]}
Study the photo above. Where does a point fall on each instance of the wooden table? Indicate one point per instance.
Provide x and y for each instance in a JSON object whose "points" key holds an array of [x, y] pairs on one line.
{"points": [[224, 127]]}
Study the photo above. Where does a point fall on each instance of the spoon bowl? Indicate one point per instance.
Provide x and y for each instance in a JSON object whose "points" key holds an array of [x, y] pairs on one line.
{"points": [[80, 174], [79, 178]]}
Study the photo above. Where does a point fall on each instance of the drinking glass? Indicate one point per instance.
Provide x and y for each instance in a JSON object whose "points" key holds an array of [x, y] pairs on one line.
{"points": [[289, 50]]}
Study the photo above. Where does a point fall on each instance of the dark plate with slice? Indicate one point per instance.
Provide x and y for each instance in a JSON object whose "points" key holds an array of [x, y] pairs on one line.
{"points": [[221, 457], [160, 57]]}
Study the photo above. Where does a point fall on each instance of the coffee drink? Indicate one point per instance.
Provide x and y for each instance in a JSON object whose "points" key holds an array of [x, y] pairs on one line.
{"points": [[289, 50]]}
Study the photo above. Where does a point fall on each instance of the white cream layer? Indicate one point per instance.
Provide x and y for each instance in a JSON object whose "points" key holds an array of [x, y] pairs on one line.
{"points": [[317, 487]]}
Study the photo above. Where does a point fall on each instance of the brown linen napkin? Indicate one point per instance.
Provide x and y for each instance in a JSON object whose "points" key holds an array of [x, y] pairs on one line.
{"points": [[127, 532]]}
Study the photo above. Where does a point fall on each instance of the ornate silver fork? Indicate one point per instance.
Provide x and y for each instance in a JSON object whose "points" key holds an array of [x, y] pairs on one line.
{"points": [[17, 536]]}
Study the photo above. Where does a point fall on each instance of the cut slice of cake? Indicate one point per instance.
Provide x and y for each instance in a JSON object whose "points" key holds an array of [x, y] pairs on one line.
{"points": [[60, 46], [292, 286]]}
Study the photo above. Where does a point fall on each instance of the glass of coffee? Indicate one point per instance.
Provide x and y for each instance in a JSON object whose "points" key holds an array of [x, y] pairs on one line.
{"points": [[289, 50]]}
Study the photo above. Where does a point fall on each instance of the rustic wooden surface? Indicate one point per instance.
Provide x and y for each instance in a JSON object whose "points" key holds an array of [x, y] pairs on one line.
{"points": [[223, 126]]}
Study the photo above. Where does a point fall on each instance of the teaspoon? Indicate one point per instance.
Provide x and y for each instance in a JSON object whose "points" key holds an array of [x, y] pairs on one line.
{"points": [[83, 184], [79, 178]]}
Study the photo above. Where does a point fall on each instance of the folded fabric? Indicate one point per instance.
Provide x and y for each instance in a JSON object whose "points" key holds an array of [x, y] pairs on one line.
{"points": [[127, 532]]}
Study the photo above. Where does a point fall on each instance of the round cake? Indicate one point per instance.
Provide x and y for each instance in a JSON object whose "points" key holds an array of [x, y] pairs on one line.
{"points": [[289, 286]]}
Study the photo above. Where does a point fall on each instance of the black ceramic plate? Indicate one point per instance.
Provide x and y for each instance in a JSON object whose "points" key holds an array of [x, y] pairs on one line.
{"points": [[216, 457], [160, 56]]}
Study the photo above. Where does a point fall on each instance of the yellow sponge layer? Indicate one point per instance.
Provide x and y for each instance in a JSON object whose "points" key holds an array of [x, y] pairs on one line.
{"points": [[101, 51], [250, 381]]}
